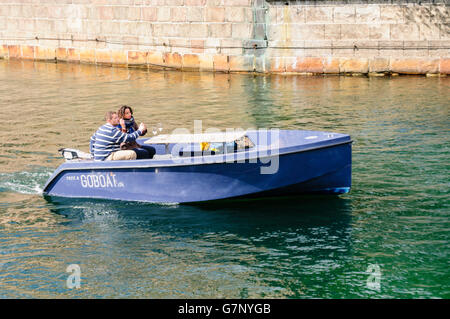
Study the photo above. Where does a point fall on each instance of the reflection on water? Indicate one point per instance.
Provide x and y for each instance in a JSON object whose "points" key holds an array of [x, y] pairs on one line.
{"points": [[396, 215]]}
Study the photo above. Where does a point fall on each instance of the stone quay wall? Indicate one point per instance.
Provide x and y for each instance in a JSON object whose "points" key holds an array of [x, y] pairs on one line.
{"points": [[301, 37]]}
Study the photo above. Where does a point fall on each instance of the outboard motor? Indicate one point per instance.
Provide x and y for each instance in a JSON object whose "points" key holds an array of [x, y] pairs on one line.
{"points": [[72, 154]]}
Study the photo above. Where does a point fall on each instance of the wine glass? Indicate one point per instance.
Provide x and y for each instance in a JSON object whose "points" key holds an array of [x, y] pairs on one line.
{"points": [[154, 130], [160, 127]]}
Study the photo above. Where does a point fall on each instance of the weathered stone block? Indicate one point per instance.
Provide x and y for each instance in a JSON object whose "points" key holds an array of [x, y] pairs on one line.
{"points": [[178, 14], [415, 48], [198, 30], [429, 31], [308, 65], [316, 48], [391, 14], [331, 65], [444, 65], [206, 62], [343, 48], [277, 65], [134, 13], [353, 65], [14, 11], [390, 46], [212, 46], [120, 12], [190, 62], [195, 14], [174, 2], [173, 60], [130, 43], [231, 47], [379, 31], [137, 57], [163, 14], [40, 11], [379, 65], [275, 14], [110, 27], [87, 56], [444, 33], [92, 27], [4, 52], [56, 12], [105, 13], [428, 66], [241, 30], [103, 57], [27, 52], [152, 13], [220, 30], [44, 26], [415, 66], [259, 31], [344, 14], [44, 53], [194, 2], [318, 14], [354, 31], [215, 14], [306, 32], [275, 32], [180, 45], [155, 59], [293, 14], [73, 55], [197, 46], [289, 63], [242, 3], [234, 14], [143, 29], [404, 32], [366, 49], [60, 26], [406, 66], [214, 3], [367, 14], [332, 31], [221, 63], [242, 63], [119, 57]]}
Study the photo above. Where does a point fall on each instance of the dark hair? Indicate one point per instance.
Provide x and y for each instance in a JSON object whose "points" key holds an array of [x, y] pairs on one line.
{"points": [[122, 109], [109, 115]]}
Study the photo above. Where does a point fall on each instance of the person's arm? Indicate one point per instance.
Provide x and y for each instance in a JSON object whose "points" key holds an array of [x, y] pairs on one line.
{"points": [[91, 144], [135, 126], [121, 137]]}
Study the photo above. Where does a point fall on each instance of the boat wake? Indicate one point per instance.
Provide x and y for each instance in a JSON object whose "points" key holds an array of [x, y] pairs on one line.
{"points": [[31, 183]]}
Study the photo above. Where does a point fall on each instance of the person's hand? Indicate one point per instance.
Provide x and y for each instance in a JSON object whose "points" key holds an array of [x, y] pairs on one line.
{"points": [[123, 125], [143, 128]]}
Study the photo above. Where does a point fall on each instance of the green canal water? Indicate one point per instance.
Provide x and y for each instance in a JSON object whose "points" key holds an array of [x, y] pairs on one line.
{"points": [[387, 238]]}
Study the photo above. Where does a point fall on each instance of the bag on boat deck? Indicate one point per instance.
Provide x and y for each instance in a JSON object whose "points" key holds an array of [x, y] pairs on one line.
{"points": [[129, 145]]}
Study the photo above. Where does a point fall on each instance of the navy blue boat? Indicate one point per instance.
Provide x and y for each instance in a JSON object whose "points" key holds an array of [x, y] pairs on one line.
{"points": [[205, 167]]}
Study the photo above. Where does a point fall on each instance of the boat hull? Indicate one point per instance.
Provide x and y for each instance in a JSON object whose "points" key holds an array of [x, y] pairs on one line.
{"points": [[325, 170]]}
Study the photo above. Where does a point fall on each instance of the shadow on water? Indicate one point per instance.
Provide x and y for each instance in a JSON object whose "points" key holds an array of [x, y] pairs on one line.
{"points": [[243, 217]]}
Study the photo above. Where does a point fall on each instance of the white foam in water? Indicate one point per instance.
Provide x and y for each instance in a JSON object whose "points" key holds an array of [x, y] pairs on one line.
{"points": [[24, 182]]}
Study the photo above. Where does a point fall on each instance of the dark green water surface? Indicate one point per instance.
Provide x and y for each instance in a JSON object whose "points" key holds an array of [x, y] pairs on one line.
{"points": [[387, 238]]}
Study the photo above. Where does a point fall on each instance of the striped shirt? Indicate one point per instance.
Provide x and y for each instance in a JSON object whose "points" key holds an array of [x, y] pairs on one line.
{"points": [[107, 139]]}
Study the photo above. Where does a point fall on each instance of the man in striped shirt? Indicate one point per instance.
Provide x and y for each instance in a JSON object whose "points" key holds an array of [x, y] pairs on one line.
{"points": [[105, 143]]}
